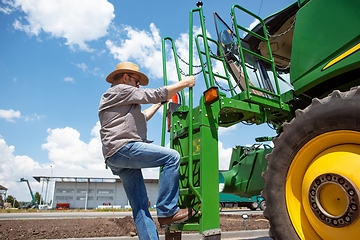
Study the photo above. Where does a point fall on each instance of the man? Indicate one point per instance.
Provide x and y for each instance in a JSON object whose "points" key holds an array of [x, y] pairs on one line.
{"points": [[126, 148]]}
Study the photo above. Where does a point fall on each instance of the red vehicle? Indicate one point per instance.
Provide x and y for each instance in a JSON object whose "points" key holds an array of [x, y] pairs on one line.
{"points": [[61, 206]]}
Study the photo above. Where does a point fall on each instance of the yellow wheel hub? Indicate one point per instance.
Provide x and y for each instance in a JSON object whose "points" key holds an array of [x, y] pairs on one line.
{"points": [[322, 187], [332, 198]]}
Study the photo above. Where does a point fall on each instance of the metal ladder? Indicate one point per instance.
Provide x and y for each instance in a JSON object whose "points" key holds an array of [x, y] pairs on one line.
{"points": [[193, 134]]}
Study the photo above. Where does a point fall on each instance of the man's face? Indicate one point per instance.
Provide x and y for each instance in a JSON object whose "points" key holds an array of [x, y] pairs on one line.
{"points": [[132, 80]]}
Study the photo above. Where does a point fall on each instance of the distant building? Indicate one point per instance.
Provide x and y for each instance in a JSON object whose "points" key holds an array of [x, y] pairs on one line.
{"points": [[90, 189], [3, 191]]}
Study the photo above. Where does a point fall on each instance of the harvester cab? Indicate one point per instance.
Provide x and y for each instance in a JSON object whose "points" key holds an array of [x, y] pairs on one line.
{"points": [[280, 29]]}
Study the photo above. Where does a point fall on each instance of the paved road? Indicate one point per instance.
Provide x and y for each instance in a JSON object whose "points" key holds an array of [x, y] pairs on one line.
{"points": [[58, 214], [241, 211]]}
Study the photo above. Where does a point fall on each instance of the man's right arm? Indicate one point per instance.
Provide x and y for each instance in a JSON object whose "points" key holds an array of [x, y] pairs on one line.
{"points": [[176, 87]]}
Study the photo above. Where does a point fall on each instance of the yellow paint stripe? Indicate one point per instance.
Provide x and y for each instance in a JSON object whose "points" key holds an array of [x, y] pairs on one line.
{"points": [[342, 56], [261, 220]]}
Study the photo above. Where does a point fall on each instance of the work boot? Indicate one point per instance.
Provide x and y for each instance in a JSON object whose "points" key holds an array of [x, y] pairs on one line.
{"points": [[181, 216]]}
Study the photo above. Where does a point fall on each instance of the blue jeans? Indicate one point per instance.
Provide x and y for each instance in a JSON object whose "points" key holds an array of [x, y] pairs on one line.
{"points": [[127, 164]]}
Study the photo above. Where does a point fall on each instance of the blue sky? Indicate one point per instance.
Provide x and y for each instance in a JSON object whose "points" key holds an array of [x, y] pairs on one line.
{"points": [[54, 57]]}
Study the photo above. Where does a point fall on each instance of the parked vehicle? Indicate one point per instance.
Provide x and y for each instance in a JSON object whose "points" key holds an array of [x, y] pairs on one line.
{"points": [[61, 206], [227, 200]]}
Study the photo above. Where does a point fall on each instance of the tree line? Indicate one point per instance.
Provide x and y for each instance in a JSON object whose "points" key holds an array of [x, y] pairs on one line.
{"points": [[16, 204]]}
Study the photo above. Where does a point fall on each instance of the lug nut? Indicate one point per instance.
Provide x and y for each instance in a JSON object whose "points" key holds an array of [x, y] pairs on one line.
{"points": [[353, 207], [341, 181], [351, 192]]}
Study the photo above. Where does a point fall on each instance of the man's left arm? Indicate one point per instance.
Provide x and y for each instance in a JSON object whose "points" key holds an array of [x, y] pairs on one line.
{"points": [[151, 110]]}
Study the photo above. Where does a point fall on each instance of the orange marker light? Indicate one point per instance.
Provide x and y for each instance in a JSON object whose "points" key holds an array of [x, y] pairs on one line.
{"points": [[211, 95]]}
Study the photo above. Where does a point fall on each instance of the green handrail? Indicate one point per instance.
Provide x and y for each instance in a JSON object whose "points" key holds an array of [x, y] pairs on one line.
{"points": [[191, 95], [190, 162], [241, 49], [209, 64], [165, 81]]}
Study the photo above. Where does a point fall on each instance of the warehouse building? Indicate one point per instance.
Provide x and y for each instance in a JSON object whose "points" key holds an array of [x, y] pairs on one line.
{"points": [[88, 190]]}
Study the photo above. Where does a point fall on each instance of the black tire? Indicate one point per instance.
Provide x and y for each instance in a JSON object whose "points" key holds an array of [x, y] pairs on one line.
{"points": [[326, 119], [220, 207], [253, 206], [262, 205]]}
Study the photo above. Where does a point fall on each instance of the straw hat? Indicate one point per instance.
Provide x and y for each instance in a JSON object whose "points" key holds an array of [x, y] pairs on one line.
{"points": [[128, 67]]}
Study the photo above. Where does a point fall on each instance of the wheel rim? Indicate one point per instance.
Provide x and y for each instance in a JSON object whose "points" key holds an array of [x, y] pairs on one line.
{"points": [[334, 199], [322, 194]]}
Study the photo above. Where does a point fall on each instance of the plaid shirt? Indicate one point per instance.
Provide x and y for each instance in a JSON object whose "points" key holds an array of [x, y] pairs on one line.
{"points": [[121, 118]]}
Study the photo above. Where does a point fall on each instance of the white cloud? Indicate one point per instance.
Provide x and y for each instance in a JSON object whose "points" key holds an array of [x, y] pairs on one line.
{"points": [[182, 49], [67, 151], [97, 72], [252, 25], [9, 115], [75, 20], [33, 117], [144, 47], [84, 68], [69, 79], [7, 9], [14, 167], [224, 130], [224, 156]]}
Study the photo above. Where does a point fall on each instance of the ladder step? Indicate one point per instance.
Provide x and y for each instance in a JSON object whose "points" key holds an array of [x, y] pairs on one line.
{"points": [[185, 227], [187, 191], [185, 160], [183, 132]]}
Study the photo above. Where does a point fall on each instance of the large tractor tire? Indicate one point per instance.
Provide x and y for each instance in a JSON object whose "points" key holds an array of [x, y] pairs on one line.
{"points": [[313, 177]]}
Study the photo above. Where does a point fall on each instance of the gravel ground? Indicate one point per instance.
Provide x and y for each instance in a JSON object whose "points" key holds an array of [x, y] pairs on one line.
{"points": [[104, 227]]}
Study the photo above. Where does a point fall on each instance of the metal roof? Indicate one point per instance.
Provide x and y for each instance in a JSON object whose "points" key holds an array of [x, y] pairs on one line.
{"points": [[82, 175]]}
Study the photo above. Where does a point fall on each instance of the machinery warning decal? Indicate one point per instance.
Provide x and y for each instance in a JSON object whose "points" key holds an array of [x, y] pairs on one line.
{"points": [[342, 56], [196, 146]]}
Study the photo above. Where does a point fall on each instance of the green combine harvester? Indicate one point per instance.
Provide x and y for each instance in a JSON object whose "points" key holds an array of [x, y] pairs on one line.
{"points": [[298, 71]]}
